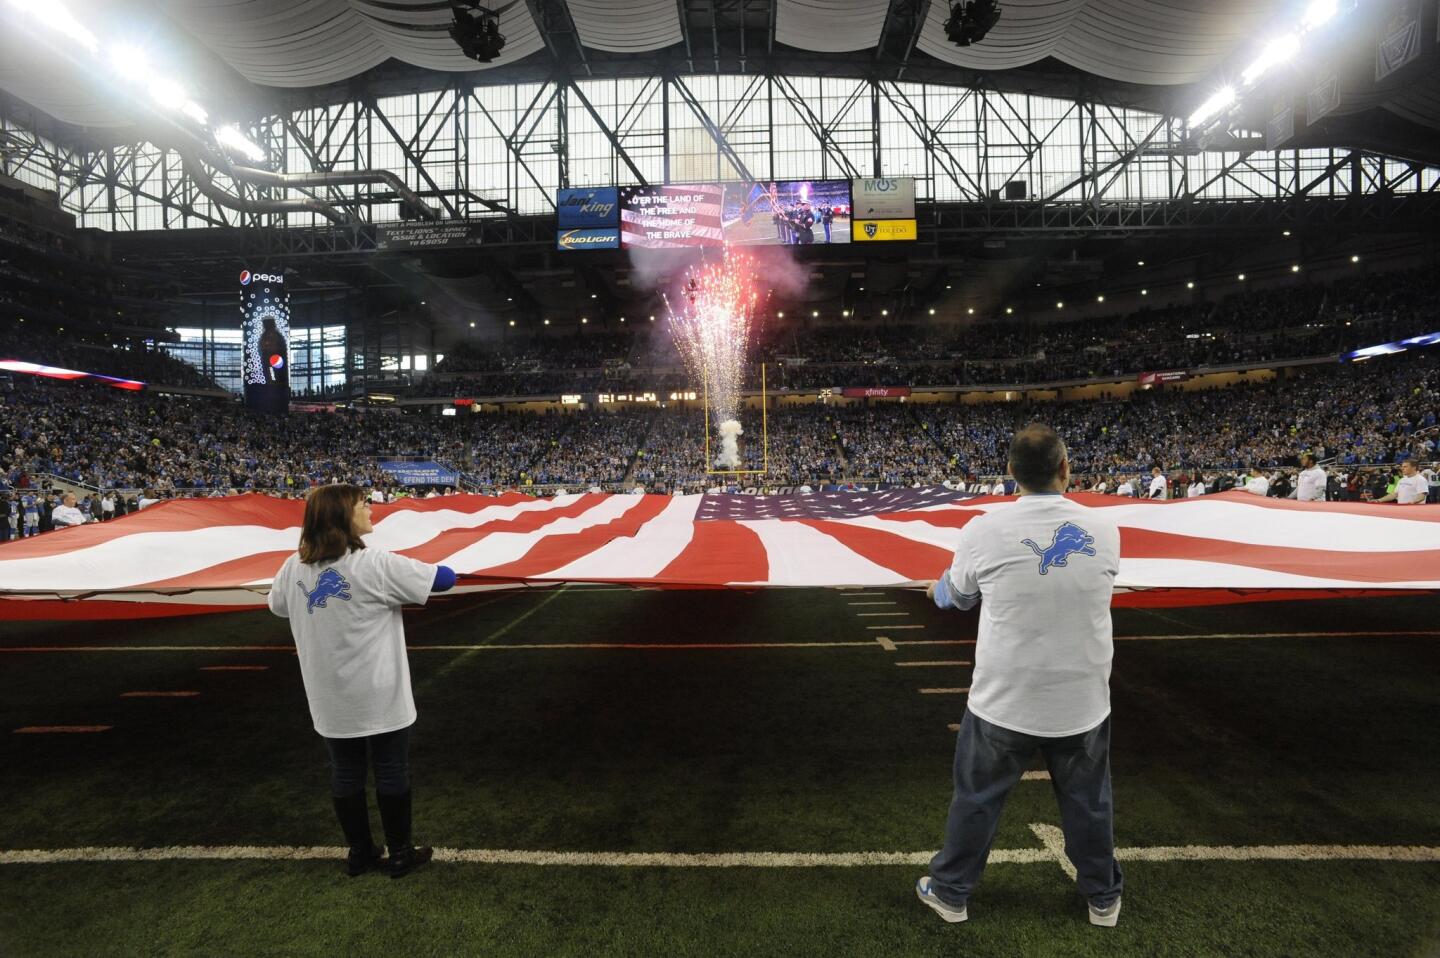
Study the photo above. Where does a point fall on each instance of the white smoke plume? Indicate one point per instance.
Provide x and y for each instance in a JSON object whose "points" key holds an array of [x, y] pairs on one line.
{"points": [[730, 433]]}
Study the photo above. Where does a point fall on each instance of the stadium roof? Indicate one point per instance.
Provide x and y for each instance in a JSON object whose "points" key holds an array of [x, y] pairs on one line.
{"points": [[1158, 54]]}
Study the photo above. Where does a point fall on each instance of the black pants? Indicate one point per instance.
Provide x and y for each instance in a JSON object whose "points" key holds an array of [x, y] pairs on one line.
{"points": [[989, 760], [389, 754]]}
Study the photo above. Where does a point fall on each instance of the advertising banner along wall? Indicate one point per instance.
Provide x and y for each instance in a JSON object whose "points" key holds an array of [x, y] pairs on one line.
{"points": [[265, 333]]}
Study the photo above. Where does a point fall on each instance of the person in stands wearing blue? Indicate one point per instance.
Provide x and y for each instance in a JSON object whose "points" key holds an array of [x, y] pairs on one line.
{"points": [[343, 602], [1042, 569]]}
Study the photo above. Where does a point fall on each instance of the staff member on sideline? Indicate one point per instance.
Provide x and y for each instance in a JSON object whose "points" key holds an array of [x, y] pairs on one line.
{"points": [[1310, 484], [1157, 484], [67, 513], [1412, 487], [343, 602], [1044, 569]]}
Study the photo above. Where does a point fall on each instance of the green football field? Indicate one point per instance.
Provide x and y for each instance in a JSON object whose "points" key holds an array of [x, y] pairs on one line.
{"points": [[718, 773]]}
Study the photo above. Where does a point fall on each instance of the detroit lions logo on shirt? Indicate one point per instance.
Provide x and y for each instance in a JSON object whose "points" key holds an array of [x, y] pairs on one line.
{"points": [[330, 585], [1070, 540]]}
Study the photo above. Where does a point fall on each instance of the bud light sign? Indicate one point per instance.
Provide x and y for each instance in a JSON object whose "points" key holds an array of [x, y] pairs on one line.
{"points": [[588, 208], [588, 239]]}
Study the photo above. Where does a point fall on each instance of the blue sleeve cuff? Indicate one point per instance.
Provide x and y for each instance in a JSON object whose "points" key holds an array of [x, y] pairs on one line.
{"points": [[942, 592], [444, 579]]}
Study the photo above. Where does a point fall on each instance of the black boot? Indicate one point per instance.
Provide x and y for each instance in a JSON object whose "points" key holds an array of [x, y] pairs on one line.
{"points": [[395, 816], [354, 815]]}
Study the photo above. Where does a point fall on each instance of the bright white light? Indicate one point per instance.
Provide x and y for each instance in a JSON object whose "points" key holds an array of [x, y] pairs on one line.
{"points": [[1279, 51], [1319, 12], [231, 136], [1222, 99], [167, 93], [52, 14], [130, 62], [195, 112]]}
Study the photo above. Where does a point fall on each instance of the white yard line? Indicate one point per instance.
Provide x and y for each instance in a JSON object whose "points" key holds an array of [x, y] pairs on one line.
{"points": [[885, 643], [1054, 841], [874, 614], [914, 665], [1049, 835], [870, 603], [963, 691], [894, 627], [1035, 777]]}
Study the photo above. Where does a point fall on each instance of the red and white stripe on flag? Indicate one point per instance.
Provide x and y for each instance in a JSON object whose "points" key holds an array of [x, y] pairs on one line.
{"points": [[208, 554]]}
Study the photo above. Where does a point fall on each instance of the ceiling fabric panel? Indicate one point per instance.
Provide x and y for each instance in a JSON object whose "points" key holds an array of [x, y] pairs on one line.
{"points": [[828, 26], [1160, 41], [627, 26], [1028, 31]]}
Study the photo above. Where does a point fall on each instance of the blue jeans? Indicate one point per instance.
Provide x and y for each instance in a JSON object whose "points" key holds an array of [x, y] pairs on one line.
{"points": [[988, 762], [388, 753]]}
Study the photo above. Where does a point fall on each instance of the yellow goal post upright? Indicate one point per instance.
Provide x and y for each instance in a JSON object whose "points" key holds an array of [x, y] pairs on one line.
{"points": [[710, 469]]}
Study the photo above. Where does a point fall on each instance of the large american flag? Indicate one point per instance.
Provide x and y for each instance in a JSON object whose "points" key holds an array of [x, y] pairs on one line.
{"points": [[194, 555]]}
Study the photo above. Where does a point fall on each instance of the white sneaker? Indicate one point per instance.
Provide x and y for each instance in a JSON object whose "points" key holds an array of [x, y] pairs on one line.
{"points": [[1105, 917], [950, 913]]}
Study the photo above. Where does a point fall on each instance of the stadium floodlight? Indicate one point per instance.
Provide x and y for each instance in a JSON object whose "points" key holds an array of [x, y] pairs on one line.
{"points": [[1144, 292], [476, 30], [1278, 51], [1008, 310], [1319, 13], [472, 323], [53, 15], [1060, 305], [1190, 285], [1100, 298], [1355, 258], [1221, 99], [970, 311], [971, 20], [1295, 268], [512, 322], [230, 136], [932, 311], [130, 62]]}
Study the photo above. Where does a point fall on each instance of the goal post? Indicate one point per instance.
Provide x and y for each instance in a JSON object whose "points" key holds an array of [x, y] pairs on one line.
{"points": [[710, 469]]}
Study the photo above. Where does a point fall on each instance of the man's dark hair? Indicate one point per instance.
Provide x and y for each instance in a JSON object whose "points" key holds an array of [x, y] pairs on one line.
{"points": [[1036, 453], [1410, 461]]}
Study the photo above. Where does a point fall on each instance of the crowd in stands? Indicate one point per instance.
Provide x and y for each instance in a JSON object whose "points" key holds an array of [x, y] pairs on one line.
{"points": [[1350, 415], [1251, 327], [95, 353]]}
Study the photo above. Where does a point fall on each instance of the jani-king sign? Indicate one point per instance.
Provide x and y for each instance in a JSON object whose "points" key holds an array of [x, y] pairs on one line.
{"points": [[587, 208]]}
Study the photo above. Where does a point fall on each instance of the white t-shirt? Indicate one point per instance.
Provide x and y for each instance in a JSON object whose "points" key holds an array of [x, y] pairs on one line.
{"points": [[1157, 487], [998, 489], [107, 504], [1310, 485], [1408, 491], [350, 637], [377, 496], [67, 516], [1042, 658], [1196, 490], [1100, 487], [1125, 489], [1258, 485]]}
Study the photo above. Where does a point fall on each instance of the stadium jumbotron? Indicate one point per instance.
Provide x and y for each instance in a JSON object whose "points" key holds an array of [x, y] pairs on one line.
{"points": [[752, 477]]}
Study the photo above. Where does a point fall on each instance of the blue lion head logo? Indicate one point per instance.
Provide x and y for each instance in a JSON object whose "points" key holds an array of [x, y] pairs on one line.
{"points": [[1070, 540], [330, 585]]}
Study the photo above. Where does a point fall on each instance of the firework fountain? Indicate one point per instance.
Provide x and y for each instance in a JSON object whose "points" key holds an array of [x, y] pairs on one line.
{"points": [[712, 328]]}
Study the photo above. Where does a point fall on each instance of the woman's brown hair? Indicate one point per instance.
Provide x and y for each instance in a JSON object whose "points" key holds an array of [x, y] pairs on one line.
{"points": [[327, 532]]}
